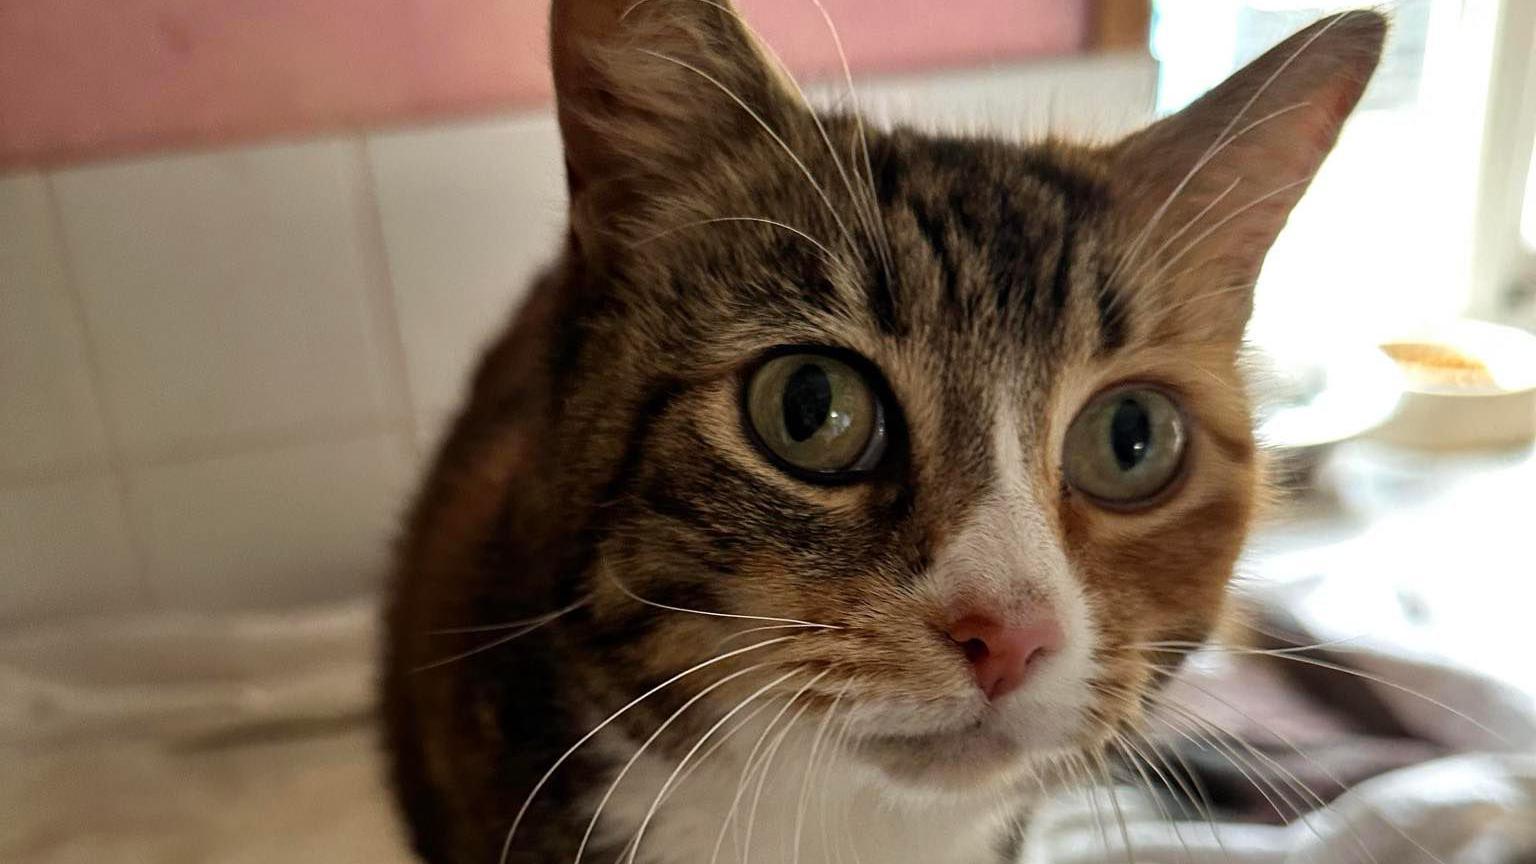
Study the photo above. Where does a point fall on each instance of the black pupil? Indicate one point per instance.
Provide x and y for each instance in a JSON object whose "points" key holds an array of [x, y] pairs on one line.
{"points": [[807, 401], [1130, 434]]}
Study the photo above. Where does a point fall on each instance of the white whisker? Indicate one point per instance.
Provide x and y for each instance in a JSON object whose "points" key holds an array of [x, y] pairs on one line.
{"points": [[645, 745], [1201, 801], [1079, 761], [1131, 753], [853, 247], [863, 140], [1251, 772], [810, 763], [650, 813], [1223, 221], [1167, 312], [1290, 656], [508, 625], [746, 770], [523, 628], [1133, 254], [1275, 75], [870, 217], [1222, 140], [506, 846], [734, 636], [1168, 241], [762, 779], [1299, 752], [638, 599], [1114, 800], [1216, 737], [716, 745], [821, 247], [832, 849]]}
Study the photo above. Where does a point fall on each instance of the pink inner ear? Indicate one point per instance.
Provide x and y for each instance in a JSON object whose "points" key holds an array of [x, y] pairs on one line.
{"points": [[89, 79]]}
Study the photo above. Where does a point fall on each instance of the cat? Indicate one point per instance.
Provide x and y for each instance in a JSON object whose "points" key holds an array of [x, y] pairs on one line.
{"points": [[830, 495]]}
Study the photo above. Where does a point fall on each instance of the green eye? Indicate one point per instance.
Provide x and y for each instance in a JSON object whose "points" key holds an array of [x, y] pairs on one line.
{"points": [[1125, 447], [817, 415]]}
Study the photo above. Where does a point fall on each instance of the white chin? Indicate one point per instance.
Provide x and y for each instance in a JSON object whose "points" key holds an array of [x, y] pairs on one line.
{"points": [[988, 754], [965, 746], [949, 762]]}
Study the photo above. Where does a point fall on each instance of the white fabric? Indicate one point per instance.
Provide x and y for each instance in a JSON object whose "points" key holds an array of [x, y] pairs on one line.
{"points": [[143, 740], [1473, 809], [194, 739], [180, 675]]}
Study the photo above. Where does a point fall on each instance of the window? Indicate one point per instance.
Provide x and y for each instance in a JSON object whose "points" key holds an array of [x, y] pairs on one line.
{"points": [[1506, 251], [1390, 234], [1528, 221]]}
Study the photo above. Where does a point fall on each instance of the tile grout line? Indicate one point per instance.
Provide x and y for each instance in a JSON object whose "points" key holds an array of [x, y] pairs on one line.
{"points": [[234, 446], [383, 308], [193, 451], [115, 462], [53, 473]]}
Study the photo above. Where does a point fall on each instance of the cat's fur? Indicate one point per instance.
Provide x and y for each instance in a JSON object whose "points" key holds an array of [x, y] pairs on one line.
{"points": [[994, 288]]}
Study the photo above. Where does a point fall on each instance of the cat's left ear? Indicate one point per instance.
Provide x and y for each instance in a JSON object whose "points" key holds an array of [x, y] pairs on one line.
{"points": [[647, 88], [1203, 194]]}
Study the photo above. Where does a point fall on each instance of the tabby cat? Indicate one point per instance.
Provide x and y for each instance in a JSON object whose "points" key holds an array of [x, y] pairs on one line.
{"points": [[830, 495]]}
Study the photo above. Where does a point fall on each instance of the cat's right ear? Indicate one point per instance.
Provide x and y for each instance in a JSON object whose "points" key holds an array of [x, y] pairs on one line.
{"points": [[645, 88]]}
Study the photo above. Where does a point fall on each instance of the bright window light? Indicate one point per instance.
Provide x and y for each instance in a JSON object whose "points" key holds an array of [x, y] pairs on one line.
{"points": [[1528, 220], [1381, 243]]}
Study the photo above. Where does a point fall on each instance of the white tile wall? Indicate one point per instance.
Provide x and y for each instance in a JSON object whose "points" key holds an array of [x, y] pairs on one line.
{"points": [[469, 212], [226, 292], [219, 372], [50, 417], [275, 528], [65, 548]]}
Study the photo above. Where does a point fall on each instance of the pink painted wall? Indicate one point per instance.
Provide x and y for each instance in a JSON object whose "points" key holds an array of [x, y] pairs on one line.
{"points": [[85, 79]]}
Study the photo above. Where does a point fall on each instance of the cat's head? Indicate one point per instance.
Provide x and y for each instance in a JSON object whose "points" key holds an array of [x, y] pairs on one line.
{"points": [[971, 405]]}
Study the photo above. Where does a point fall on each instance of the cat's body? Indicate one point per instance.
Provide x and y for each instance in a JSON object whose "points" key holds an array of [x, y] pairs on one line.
{"points": [[851, 479]]}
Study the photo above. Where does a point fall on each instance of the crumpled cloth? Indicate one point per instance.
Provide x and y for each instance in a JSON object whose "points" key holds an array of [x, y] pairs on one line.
{"points": [[217, 738], [185, 674], [1468, 809]]}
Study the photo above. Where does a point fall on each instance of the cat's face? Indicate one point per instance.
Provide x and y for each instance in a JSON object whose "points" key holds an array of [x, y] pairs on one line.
{"points": [[971, 409]]}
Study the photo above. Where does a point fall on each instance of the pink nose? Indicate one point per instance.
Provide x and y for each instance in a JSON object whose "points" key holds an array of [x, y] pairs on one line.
{"points": [[1001, 654]]}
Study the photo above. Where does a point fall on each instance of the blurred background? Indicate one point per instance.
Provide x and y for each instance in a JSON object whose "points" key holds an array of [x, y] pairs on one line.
{"points": [[249, 250]]}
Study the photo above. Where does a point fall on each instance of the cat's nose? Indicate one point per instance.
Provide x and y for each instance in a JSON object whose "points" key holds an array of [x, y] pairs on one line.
{"points": [[1001, 654]]}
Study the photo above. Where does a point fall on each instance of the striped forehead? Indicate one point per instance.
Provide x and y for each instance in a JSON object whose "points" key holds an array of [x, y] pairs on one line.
{"points": [[987, 233]]}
